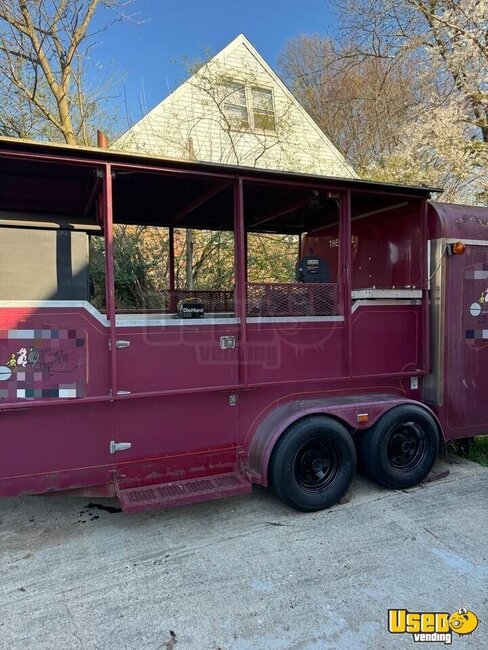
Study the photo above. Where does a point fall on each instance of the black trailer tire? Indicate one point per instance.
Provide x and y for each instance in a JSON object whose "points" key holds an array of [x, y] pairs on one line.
{"points": [[313, 463], [399, 450]]}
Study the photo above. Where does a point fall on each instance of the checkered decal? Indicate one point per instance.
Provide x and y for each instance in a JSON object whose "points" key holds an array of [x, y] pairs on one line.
{"points": [[42, 363], [475, 303]]}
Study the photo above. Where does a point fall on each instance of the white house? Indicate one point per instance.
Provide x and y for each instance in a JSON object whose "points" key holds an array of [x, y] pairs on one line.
{"points": [[235, 109]]}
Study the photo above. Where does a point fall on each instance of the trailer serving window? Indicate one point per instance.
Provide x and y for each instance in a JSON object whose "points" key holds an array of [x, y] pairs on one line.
{"points": [[157, 269], [173, 247], [180, 232], [299, 229]]}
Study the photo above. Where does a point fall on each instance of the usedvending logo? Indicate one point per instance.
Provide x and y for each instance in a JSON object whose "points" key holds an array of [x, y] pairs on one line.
{"points": [[432, 626]]}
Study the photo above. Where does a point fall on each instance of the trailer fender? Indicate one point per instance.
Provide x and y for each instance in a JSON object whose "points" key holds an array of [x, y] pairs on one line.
{"points": [[346, 410]]}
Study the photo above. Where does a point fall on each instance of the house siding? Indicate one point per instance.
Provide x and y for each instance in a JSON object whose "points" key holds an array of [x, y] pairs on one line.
{"points": [[195, 110]]}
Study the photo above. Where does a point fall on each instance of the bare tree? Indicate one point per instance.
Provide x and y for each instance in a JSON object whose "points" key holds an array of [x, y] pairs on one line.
{"points": [[45, 47], [446, 41], [361, 104], [406, 89], [448, 35]]}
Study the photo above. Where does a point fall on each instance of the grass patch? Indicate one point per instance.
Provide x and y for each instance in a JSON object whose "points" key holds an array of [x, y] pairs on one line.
{"points": [[477, 452]]}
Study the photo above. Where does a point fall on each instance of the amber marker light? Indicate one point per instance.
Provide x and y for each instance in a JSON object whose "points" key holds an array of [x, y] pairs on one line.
{"points": [[362, 418], [457, 248]]}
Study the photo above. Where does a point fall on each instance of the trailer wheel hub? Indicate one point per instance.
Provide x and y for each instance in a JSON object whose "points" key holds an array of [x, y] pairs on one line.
{"points": [[316, 465], [406, 446]]}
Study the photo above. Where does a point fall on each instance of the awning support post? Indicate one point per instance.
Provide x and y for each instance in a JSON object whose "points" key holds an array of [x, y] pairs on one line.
{"points": [[240, 298], [109, 274]]}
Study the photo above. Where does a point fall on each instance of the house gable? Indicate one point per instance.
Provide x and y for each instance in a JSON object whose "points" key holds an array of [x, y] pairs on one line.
{"points": [[235, 109]]}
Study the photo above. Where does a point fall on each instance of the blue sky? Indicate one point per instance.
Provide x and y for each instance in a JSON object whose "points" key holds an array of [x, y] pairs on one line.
{"points": [[146, 55]]}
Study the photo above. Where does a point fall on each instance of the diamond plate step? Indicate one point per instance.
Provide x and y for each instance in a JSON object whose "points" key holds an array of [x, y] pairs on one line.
{"points": [[169, 495]]}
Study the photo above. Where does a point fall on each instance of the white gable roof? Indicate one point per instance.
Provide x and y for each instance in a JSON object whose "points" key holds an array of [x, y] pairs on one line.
{"points": [[191, 122]]}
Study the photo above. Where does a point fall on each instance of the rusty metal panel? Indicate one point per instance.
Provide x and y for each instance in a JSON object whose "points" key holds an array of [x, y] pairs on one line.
{"points": [[168, 495]]}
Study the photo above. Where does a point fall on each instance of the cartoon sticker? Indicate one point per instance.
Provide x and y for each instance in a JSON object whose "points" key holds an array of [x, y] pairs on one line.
{"points": [[45, 363], [463, 621]]}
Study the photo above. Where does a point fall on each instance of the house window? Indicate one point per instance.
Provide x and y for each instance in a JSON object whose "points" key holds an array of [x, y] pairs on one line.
{"points": [[235, 104], [263, 108], [248, 107]]}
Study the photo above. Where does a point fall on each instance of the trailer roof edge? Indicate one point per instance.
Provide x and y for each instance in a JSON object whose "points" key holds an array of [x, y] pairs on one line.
{"points": [[116, 155]]}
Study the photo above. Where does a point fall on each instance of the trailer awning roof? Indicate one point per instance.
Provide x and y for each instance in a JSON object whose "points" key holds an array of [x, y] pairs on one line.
{"points": [[456, 221], [53, 181]]}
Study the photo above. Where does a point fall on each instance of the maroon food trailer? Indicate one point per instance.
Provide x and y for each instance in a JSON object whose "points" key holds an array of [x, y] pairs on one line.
{"points": [[374, 352]]}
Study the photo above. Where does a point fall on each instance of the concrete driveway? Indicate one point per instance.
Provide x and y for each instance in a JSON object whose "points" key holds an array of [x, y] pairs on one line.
{"points": [[245, 573]]}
